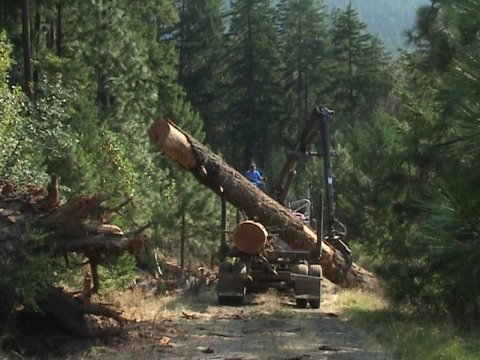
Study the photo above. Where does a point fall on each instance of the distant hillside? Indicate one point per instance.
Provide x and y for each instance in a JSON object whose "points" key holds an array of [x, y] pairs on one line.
{"points": [[388, 19]]}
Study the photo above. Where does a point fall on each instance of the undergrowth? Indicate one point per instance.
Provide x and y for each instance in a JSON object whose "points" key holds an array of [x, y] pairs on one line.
{"points": [[407, 336]]}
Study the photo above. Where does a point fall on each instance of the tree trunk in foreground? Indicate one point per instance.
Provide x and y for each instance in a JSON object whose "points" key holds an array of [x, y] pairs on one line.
{"points": [[211, 171]]}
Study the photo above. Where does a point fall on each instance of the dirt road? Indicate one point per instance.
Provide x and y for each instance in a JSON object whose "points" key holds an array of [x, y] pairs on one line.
{"points": [[268, 326]]}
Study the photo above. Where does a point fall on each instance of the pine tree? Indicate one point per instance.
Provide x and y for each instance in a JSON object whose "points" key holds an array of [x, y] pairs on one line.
{"points": [[360, 76], [451, 229], [360, 84], [305, 49], [252, 94], [200, 38], [431, 265], [433, 49]]}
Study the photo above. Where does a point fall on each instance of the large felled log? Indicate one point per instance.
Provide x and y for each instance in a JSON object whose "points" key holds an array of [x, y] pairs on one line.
{"points": [[211, 171], [250, 237]]}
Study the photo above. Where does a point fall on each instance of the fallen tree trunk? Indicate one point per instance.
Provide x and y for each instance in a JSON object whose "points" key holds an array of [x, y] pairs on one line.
{"points": [[211, 171]]}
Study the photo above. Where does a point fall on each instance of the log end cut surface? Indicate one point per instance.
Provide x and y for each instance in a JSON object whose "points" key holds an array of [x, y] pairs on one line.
{"points": [[172, 142], [250, 237]]}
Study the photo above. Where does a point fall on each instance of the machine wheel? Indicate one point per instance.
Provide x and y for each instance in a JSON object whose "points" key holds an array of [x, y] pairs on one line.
{"points": [[238, 266], [225, 267], [224, 300], [316, 270], [314, 304], [235, 266], [301, 269], [301, 303], [231, 300]]}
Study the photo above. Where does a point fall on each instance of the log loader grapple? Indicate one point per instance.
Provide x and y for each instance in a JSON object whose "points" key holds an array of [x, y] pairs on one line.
{"points": [[259, 260]]}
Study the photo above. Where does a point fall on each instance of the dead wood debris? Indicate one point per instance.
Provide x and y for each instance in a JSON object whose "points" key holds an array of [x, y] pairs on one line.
{"points": [[76, 226]]}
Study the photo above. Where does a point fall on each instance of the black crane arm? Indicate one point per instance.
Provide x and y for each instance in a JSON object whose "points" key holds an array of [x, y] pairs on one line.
{"points": [[305, 139]]}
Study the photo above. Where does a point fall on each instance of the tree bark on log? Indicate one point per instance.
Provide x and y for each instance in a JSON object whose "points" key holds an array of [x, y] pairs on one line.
{"points": [[210, 170]]}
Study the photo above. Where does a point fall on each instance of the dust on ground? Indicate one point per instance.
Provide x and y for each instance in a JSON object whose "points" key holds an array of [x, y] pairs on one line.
{"points": [[268, 326]]}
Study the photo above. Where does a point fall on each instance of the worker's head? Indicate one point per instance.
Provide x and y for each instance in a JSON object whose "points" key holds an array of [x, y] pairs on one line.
{"points": [[252, 166]]}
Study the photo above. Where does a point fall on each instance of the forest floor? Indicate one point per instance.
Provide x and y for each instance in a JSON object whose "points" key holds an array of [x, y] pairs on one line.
{"points": [[268, 326]]}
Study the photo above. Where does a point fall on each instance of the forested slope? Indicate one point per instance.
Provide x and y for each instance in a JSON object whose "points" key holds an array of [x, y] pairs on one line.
{"points": [[388, 19]]}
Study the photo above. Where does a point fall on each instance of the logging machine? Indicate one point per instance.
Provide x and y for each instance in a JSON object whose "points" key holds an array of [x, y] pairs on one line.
{"points": [[259, 260]]}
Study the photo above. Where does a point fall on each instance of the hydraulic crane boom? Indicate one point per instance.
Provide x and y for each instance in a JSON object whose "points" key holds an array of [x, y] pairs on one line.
{"points": [[305, 139], [336, 230], [318, 122]]}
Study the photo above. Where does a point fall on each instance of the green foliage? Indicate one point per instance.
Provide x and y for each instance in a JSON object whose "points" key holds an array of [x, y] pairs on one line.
{"points": [[32, 136], [50, 115], [27, 270], [450, 248], [360, 77], [5, 56], [430, 266], [363, 167], [254, 100], [12, 115], [200, 47], [117, 273], [304, 42], [410, 337], [431, 41]]}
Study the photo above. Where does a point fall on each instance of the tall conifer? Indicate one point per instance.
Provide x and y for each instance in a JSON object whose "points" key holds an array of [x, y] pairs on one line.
{"points": [[252, 94], [200, 37], [360, 77], [305, 46]]}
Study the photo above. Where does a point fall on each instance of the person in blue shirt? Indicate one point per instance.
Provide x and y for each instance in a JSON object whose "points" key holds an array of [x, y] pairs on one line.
{"points": [[253, 175]]}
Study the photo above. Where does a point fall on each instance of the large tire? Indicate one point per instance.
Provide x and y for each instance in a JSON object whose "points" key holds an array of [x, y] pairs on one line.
{"points": [[314, 303], [232, 266], [224, 300], [301, 269], [239, 266], [316, 270], [301, 303], [225, 267]]}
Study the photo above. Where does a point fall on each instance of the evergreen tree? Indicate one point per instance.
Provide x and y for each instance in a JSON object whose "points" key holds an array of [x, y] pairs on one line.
{"points": [[360, 87], [360, 76], [117, 52], [451, 230], [252, 95], [305, 50], [305, 45], [430, 265], [200, 38], [98, 87], [433, 49]]}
